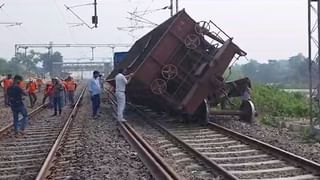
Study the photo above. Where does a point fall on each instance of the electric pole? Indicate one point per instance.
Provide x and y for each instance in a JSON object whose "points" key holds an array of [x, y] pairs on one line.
{"points": [[174, 7], [95, 17]]}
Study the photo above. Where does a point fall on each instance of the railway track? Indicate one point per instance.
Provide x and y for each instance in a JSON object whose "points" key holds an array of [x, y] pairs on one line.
{"points": [[27, 157], [230, 154]]}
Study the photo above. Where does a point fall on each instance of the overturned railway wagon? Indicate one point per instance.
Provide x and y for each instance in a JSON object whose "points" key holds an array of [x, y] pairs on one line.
{"points": [[178, 64]]}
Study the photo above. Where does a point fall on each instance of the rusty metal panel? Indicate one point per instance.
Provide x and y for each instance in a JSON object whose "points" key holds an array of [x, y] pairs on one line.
{"points": [[178, 64]]}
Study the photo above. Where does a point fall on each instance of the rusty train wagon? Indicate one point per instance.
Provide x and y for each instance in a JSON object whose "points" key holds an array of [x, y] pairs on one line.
{"points": [[178, 65]]}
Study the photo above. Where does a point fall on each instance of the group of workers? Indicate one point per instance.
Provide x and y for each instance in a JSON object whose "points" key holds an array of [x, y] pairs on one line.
{"points": [[30, 88], [56, 90]]}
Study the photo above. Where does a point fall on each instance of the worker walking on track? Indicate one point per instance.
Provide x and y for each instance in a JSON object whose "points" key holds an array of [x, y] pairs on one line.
{"points": [[31, 89], [15, 94], [7, 82], [71, 87], [58, 91], [121, 82], [48, 92], [95, 91]]}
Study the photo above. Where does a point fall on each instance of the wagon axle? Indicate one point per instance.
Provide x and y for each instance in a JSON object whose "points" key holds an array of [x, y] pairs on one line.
{"points": [[246, 112]]}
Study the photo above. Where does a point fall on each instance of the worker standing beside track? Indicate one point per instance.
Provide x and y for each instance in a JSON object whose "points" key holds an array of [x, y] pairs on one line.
{"points": [[71, 87], [15, 94], [7, 82], [121, 82], [48, 92], [58, 91], [95, 91], [31, 89]]}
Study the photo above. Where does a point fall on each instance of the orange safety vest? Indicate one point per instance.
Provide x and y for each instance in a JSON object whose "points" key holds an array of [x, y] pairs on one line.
{"points": [[49, 89], [32, 87], [7, 83], [71, 85]]}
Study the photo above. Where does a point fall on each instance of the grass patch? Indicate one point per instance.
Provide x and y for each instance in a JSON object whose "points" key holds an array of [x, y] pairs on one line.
{"points": [[273, 101]]}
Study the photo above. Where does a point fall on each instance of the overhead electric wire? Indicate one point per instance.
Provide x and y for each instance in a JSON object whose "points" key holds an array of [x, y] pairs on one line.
{"points": [[77, 16], [71, 34]]}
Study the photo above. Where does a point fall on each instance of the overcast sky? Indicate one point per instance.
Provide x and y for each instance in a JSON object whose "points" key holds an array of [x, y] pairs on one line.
{"points": [[265, 29]]}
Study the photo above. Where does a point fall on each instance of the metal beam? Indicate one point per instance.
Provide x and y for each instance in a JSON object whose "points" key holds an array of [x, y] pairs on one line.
{"points": [[18, 46]]}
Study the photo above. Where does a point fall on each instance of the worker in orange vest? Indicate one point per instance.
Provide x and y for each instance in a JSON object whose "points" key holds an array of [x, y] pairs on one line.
{"points": [[71, 87], [7, 82], [31, 88], [48, 92]]}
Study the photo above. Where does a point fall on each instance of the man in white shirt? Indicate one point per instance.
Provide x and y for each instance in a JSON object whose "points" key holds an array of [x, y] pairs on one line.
{"points": [[121, 82]]}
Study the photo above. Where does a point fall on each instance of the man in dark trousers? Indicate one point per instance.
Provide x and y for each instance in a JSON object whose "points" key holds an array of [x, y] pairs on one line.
{"points": [[95, 91], [58, 91], [15, 94]]}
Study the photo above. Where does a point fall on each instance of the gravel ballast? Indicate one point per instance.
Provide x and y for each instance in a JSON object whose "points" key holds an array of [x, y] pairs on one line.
{"points": [[103, 153]]}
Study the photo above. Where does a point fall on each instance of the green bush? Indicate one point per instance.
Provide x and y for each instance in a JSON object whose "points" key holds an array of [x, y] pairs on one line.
{"points": [[273, 101]]}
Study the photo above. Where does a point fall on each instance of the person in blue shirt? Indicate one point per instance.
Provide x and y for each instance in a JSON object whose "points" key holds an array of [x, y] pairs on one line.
{"points": [[95, 91], [15, 94]]}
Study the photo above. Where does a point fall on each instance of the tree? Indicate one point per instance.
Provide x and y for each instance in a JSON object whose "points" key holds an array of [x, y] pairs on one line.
{"points": [[28, 62], [49, 60], [286, 73], [3, 66]]}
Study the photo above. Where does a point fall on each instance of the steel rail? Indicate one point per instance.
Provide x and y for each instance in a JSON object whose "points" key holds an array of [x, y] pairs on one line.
{"points": [[280, 153], [159, 169], [222, 171], [31, 114], [47, 163]]}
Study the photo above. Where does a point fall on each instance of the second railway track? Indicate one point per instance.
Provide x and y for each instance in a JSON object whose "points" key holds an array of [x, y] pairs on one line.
{"points": [[24, 157]]}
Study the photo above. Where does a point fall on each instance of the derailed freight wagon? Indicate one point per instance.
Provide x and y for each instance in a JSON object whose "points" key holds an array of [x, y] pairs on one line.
{"points": [[178, 65]]}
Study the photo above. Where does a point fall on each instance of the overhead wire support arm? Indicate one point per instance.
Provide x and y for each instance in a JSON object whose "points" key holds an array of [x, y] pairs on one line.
{"points": [[77, 16], [81, 5], [94, 17], [11, 23]]}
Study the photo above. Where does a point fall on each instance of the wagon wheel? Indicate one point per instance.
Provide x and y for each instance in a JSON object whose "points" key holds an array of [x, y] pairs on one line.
{"points": [[169, 71], [158, 86], [192, 41], [202, 27]]}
